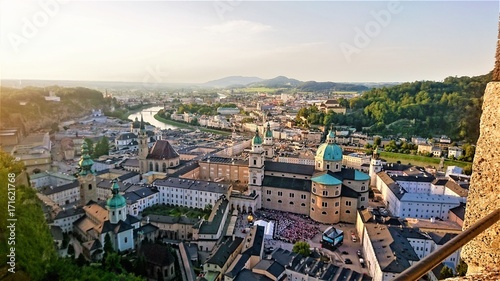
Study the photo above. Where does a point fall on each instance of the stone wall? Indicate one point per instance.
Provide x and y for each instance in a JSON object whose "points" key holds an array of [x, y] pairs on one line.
{"points": [[482, 254]]}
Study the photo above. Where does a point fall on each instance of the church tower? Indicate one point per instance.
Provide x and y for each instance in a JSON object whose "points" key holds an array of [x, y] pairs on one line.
{"points": [[86, 177], [268, 143], [256, 167], [142, 139], [116, 205], [375, 166]]}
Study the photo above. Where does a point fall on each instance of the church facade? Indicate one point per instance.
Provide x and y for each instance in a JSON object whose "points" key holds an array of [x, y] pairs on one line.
{"points": [[326, 192]]}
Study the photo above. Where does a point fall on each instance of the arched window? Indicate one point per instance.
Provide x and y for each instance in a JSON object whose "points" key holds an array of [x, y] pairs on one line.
{"points": [[90, 187], [151, 166], [164, 167], [157, 167]]}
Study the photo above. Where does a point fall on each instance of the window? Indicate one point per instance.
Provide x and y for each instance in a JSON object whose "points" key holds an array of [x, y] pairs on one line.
{"points": [[314, 189], [280, 193], [164, 167], [348, 203], [126, 240], [292, 195], [325, 192], [337, 192], [363, 187], [336, 204], [324, 204], [336, 166], [255, 162], [362, 199], [268, 200], [291, 202], [302, 196], [312, 209], [303, 204], [323, 213], [313, 201], [90, 187], [279, 201], [347, 211], [328, 166], [268, 192]]}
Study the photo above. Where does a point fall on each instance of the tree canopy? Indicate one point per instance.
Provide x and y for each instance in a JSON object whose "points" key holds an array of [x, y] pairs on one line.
{"points": [[451, 107], [302, 247]]}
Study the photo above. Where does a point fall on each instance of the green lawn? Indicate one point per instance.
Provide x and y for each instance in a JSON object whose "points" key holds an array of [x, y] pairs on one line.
{"points": [[420, 160], [190, 127], [174, 211]]}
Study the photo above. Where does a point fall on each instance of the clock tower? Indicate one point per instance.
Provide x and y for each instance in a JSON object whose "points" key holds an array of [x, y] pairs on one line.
{"points": [[86, 177]]}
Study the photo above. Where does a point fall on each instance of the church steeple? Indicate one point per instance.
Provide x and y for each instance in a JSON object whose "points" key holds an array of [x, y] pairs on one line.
{"points": [[85, 161], [116, 205]]}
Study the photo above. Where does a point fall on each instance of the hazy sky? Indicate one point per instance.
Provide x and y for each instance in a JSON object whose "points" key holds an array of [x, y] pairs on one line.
{"points": [[166, 41]]}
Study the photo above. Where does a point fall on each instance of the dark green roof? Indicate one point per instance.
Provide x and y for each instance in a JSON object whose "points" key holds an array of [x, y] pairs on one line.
{"points": [[288, 183]]}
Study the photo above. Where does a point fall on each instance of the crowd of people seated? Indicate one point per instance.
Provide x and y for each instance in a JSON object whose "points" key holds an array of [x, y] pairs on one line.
{"points": [[289, 227]]}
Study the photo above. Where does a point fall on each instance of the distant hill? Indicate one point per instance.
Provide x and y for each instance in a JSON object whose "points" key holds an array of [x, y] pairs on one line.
{"points": [[313, 86], [231, 81], [277, 82]]}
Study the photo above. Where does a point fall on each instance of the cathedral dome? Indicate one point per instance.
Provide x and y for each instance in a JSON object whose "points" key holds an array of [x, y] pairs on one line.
{"points": [[329, 151]]}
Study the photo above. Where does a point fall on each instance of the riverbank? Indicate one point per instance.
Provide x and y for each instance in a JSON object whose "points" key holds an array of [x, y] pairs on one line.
{"points": [[182, 125]]}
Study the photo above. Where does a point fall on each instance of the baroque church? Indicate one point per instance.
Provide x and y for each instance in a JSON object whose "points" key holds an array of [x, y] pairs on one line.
{"points": [[101, 220], [326, 192], [160, 158]]}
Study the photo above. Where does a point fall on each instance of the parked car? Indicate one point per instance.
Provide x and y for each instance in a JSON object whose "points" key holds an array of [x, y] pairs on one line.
{"points": [[348, 261], [345, 253], [362, 262], [360, 255]]}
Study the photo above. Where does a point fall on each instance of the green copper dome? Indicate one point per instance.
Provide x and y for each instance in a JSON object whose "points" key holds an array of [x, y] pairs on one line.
{"points": [[256, 139], [329, 151], [85, 161], [117, 201], [269, 133]]}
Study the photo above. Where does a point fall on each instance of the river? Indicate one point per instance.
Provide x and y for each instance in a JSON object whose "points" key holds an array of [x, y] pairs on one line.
{"points": [[148, 115]]}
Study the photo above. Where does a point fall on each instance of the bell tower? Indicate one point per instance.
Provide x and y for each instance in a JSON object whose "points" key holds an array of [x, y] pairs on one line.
{"points": [[142, 139], [86, 177], [375, 166]]}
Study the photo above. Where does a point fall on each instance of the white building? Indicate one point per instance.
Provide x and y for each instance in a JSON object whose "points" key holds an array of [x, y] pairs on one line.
{"points": [[455, 152], [63, 194], [190, 193], [421, 203], [141, 199]]}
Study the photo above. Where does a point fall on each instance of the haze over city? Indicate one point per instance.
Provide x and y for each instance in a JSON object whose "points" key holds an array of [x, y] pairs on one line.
{"points": [[194, 42]]}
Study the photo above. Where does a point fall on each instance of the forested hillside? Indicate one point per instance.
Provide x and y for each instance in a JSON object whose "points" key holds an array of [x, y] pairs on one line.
{"points": [[425, 108], [28, 109]]}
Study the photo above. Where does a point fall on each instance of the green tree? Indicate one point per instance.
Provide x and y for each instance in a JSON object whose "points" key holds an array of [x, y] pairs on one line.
{"points": [[108, 246], [71, 250], [461, 268], [90, 145], [302, 247], [112, 263], [101, 147], [446, 272], [468, 170], [377, 141]]}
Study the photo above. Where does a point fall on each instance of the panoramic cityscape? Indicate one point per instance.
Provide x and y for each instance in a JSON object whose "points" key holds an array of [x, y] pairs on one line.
{"points": [[247, 140]]}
